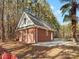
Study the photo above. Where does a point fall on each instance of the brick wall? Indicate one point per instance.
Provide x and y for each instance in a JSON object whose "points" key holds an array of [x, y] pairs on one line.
{"points": [[27, 36], [43, 35]]}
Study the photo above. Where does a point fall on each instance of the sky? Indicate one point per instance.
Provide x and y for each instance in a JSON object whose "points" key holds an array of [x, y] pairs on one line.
{"points": [[55, 6]]}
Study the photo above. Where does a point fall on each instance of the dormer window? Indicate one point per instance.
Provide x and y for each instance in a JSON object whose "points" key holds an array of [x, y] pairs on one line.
{"points": [[24, 20]]}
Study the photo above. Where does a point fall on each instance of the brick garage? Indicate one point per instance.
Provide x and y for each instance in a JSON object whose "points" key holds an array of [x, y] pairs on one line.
{"points": [[32, 30], [33, 35]]}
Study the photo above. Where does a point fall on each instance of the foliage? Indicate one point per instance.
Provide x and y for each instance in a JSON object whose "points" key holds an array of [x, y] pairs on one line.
{"points": [[69, 10]]}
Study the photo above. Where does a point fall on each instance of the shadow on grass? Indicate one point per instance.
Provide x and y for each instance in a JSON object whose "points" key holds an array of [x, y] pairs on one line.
{"points": [[40, 52], [27, 53], [16, 48]]}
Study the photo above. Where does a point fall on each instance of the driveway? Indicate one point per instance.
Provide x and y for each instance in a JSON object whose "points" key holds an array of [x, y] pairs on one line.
{"points": [[56, 43]]}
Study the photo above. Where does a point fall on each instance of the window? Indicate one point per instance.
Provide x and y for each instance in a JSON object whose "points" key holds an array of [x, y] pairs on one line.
{"points": [[24, 20]]}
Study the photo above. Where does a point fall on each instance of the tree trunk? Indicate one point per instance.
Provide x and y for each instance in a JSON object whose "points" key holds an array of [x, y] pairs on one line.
{"points": [[74, 30], [3, 29], [73, 20]]}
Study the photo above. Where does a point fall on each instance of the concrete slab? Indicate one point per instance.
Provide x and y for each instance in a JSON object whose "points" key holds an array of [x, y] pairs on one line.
{"points": [[56, 43]]}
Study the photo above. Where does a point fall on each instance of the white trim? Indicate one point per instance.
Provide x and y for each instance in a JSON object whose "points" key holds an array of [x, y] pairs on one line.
{"points": [[21, 19], [23, 28], [24, 15], [36, 27]]}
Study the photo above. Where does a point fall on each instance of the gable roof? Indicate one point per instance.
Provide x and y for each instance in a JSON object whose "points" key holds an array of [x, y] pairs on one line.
{"points": [[35, 21]]}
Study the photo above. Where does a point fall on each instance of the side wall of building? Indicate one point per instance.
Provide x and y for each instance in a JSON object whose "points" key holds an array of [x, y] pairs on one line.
{"points": [[44, 35]]}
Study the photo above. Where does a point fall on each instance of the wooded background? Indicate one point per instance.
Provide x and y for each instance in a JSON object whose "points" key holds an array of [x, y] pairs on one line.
{"points": [[11, 11]]}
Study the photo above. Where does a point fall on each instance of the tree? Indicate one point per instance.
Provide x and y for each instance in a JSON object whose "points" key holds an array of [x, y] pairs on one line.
{"points": [[70, 7], [2, 19]]}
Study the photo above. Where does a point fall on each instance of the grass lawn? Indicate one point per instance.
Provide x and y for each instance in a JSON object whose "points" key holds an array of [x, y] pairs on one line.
{"points": [[24, 51]]}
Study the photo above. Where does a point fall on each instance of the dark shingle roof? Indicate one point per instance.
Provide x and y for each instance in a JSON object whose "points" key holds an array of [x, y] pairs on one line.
{"points": [[38, 21]]}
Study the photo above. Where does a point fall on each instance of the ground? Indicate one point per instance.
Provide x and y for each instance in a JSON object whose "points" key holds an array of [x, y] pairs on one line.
{"points": [[42, 51]]}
